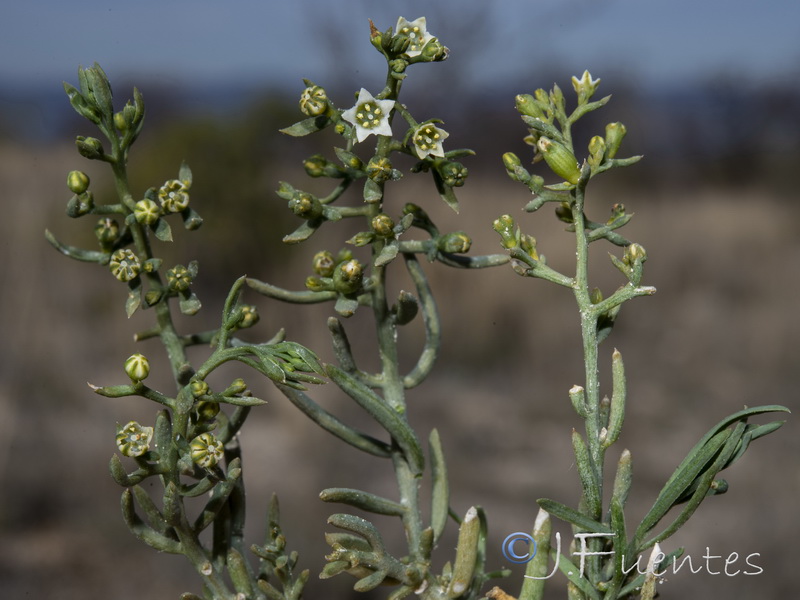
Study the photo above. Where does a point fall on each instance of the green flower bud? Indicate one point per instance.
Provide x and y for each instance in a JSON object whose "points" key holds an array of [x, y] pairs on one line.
{"points": [[560, 160], [596, 296], [107, 231], [207, 411], [80, 205], [527, 105], [398, 65], [305, 206], [383, 225], [173, 196], [564, 213], [248, 316], [585, 86], [379, 169], [124, 265], [315, 165], [323, 263], [137, 367], [120, 122], [505, 227], [198, 387], [528, 244], [146, 211], [206, 450], [179, 278], [597, 150], [77, 182], [434, 51], [617, 211], [511, 161], [237, 387], [89, 147], [542, 97], [457, 242], [614, 134], [133, 439], [314, 101], [315, 284], [453, 174], [634, 252], [348, 277]]}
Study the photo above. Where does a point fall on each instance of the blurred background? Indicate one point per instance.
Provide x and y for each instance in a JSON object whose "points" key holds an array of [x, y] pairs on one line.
{"points": [[709, 91]]}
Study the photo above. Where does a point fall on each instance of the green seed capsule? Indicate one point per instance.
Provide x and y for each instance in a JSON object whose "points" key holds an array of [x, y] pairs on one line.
{"points": [[562, 162]]}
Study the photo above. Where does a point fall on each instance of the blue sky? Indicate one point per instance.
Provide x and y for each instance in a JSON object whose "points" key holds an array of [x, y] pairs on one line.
{"points": [[279, 42]]}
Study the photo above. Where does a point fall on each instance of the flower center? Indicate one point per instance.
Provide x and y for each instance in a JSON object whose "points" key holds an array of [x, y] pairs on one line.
{"points": [[427, 138], [416, 40], [369, 115]]}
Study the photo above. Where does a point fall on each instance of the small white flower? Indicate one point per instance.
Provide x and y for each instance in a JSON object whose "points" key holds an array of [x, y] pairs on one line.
{"points": [[416, 31], [427, 140], [370, 116]]}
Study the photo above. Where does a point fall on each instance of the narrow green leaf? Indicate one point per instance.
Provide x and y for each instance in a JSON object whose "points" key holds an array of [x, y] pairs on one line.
{"points": [[466, 554], [570, 515], [617, 410], [588, 475], [386, 416], [363, 500], [148, 535], [440, 492], [239, 572], [536, 570]]}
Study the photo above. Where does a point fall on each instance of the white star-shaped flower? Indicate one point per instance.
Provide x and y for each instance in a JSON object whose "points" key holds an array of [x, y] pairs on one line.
{"points": [[370, 116], [427, 140], [416, 31]]}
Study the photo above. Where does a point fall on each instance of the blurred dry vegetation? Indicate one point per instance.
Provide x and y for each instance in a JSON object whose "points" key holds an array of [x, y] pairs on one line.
{"points": [[716, 209]]}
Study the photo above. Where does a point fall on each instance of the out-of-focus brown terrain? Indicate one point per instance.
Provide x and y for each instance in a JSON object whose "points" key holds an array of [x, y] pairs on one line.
{"points": [[721, 231]]}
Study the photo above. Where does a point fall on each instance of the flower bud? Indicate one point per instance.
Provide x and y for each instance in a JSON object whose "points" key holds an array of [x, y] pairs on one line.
{"points": [[564, 213], [597, 149], [505, 227], [617, 211], [379, 169], [207, 411], [89, 147], [107, 231], [206, 450], [323, 263], [77, 182], [198, 387], [237, 386], [585, 87], [133, 439], [80, 204], [179, 278], [453, 174], [315, 284], [348, 277], [305, 206], [434, 51], [514, 168], [315, 165], [146, 211], [248, 316], [124, 265], [527, 105], [560, 160], [457, 242], [634, 252], [137, 367], [314, 101], [383, 225], [614, 134], [120, 122]]}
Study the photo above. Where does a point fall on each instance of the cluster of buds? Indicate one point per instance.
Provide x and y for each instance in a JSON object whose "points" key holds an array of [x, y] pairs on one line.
{"points": [[342, 273], [409, 42]]}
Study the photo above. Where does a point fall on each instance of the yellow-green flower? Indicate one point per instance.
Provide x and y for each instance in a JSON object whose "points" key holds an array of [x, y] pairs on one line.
{"points": [[427, 140], [417, 33], [134, 439]]}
